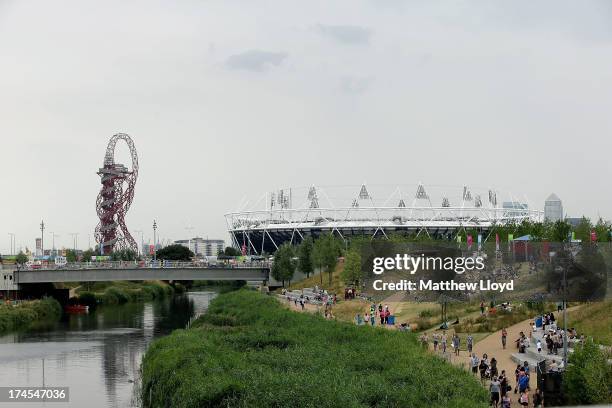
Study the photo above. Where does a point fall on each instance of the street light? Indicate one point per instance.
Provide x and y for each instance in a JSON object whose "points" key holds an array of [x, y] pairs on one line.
{"points": [[75, 240], [154, 240], [565, 309], [53, 235], [142, 251], [189, 229]]}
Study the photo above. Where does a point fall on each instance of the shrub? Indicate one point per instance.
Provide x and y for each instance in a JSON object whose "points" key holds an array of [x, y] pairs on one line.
{"points": [[88, 299], [248, 350], [427, 313], [22, 315], [588, 378], [115, 296]]}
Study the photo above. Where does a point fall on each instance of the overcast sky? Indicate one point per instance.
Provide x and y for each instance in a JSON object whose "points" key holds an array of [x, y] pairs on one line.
{"points": [[230, 99]]}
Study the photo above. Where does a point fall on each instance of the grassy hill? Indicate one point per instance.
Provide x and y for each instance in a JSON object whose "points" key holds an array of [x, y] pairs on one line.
{"points": [[249, 351], [592, 319], [322, 281]]}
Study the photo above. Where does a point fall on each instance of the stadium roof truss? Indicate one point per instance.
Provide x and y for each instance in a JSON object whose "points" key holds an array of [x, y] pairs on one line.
{"points": [[265, 230]]}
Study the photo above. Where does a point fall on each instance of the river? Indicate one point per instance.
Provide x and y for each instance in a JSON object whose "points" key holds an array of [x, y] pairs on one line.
{"points": [[97, 355]]}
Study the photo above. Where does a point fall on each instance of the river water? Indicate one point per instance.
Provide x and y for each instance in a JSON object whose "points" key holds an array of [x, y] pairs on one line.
{"points": [[97, 355]]}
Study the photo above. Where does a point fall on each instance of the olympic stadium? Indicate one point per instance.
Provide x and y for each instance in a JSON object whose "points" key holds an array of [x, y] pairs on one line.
{"points": [[377, 211]]}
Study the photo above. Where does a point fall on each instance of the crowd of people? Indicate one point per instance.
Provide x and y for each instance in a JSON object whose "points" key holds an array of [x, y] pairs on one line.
{"points": [[375, 313], [311, 295], [499, 384]]}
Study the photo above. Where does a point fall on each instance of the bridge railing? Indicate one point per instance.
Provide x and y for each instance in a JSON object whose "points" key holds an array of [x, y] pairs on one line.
{"points": [[148, 264]]}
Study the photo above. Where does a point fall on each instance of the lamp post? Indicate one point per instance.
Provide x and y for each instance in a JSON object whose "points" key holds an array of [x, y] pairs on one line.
{"points": [[53, 235], [567, 264], [189, 229], [42, 238], [75, 240], [154, 240], [142, 251]]}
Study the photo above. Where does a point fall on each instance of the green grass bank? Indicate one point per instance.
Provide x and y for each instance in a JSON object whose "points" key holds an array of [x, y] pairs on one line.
{"points": [[115, 293], [249, 351], [35, 311]]}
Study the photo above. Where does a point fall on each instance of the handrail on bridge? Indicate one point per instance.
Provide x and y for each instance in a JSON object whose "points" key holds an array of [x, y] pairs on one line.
{"points": [[146, 264]]}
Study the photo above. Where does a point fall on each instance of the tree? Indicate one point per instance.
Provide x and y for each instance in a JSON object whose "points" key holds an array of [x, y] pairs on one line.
{"points": [[71, 255], [602, 229], [284, 264], [231, 251], [21, 258], [588, 376], [87, 254], [305, 256], [560, 231], [352, 274], [583, 230], [325, 253], [175, 252], [124, 255]]}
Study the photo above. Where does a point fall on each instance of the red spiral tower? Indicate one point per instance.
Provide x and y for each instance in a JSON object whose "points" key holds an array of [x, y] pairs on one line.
{"points": [[115, 198]]}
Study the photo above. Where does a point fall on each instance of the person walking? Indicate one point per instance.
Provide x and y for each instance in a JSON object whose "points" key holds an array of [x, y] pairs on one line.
{"points": [[482, 367], [495, 389], [537, 399], [503, 382], [474, 361], [444, 339], [524, 399], [435, 341], [506, 402], [504, 336], [523, 382], [493, 367], [470, 343], [456, 343]]}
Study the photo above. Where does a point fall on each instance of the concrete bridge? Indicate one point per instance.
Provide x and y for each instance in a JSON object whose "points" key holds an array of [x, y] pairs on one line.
{"points": [[117, 271]]}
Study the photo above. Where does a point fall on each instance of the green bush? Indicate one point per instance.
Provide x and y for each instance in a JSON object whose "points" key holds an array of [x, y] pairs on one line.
{"points": [[588, 378], [427, 313], [22, 315], [88, 299], [249, 351], [122, 292], [115, 296]]}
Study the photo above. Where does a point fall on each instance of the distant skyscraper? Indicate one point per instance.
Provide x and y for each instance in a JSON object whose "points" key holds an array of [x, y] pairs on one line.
{"points": [[553, 208]]}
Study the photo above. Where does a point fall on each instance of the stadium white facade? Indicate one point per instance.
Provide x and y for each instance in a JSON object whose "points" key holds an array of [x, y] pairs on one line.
{"points": [[375, 211]]}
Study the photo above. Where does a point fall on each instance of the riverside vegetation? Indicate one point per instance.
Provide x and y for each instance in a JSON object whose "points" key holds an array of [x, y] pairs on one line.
{"points": [[250, 351], [114, 293], [24, 314]]}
